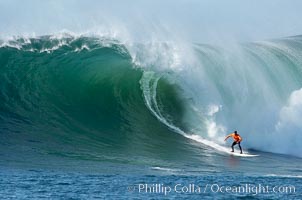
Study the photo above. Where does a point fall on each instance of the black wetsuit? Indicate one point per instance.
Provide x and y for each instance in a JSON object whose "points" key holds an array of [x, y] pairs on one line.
{"points": [[234, 143]]}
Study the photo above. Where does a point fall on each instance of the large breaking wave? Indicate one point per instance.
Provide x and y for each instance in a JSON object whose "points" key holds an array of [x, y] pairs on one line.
{"points": [[64, 93]]}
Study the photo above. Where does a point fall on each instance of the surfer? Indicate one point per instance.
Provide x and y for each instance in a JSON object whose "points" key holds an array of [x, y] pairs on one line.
{"points": [[237, 139]]}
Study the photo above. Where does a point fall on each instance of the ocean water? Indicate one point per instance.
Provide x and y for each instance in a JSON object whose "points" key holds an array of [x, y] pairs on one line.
{"points": [[84, 117]]}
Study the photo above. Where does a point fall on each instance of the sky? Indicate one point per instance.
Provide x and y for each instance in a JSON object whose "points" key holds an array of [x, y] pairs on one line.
{"points": [[193, 20]]}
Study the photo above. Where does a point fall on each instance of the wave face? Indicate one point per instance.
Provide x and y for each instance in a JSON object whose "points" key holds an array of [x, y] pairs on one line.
{"points": [[97, 98], [77, 97]]}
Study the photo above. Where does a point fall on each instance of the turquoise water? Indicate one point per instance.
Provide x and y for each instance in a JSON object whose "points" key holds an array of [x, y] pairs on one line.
{"points": [[89, 117]]}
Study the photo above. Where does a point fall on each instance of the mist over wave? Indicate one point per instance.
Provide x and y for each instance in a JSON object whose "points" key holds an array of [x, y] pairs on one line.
{"points": [[87, 90]]}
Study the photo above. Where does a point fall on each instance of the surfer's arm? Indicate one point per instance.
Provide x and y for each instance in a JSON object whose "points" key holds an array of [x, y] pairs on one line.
{"points": [[228, 137]]}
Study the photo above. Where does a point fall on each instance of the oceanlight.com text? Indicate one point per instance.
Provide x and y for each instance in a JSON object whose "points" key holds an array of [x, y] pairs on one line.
{"points": [[253, 189]]}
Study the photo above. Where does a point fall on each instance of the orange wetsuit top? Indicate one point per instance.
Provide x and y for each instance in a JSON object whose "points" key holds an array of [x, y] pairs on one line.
{"points": [[236, 138]]}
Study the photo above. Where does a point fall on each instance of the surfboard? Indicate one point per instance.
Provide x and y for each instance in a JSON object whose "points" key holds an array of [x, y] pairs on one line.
{"points": [[219, 148], [228, 151], [242, 155]]}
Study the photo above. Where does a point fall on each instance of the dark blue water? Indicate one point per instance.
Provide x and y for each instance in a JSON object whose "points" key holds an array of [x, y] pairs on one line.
{"points": [[161, 184], [268, 176]]}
